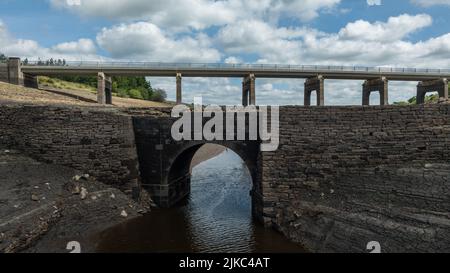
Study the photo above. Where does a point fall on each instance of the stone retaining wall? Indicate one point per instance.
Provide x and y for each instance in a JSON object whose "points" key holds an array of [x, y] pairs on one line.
{"points": [[3, 72], [345, 176], [99, 142]]}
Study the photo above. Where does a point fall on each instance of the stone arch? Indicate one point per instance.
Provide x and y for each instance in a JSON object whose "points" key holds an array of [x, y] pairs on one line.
{"points": [[178, 173]]}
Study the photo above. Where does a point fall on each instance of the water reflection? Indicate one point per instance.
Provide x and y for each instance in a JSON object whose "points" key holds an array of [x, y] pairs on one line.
{"points": [[215, 218]]}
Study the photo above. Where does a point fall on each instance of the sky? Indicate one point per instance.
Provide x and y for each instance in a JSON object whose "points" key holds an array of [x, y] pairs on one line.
{"points": [[401, 33]]}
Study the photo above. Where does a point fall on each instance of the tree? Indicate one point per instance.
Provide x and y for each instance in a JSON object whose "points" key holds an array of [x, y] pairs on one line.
{"points": [[3, 58], [136, 94], [159, 95]]}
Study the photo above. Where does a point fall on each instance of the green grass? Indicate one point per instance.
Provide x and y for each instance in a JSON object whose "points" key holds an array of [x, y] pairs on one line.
{"points": [[430, 99], [60, 84]]}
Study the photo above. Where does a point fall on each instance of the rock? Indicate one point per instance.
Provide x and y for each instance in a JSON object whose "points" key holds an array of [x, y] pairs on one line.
{"points": [[34, 197], [76, 190], [83, 193], [7, 151], [86, 176], [76, 178], [112, 196], [124, 214]]}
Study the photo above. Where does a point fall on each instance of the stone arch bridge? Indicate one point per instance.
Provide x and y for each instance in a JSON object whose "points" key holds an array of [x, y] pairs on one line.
{"points": [[165, 164], [342, 176]]}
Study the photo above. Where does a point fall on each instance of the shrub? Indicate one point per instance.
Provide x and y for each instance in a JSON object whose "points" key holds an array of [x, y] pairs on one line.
{"points": [[135, 94], [159, 95]]}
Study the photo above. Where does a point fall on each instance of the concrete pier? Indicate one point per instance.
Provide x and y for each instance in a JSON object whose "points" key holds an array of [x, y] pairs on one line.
{"points": [[315, 84], [440, 86], [376, 85], [104, 89], [15, 75], [248, 90], [179, 89]]}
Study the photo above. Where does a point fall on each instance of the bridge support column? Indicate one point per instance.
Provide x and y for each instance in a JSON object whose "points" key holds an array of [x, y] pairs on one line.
{"points": [[315, 84], [380, 85], [441, 86], [248, 90], [15, 75], [104, 89], [108, 89], [179, 89]]}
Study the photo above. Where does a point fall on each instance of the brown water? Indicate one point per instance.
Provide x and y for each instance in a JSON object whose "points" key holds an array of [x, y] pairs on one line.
{"points": [[215, 218]]}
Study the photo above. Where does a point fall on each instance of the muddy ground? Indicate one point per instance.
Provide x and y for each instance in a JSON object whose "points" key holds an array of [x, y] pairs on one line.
{"points": [[44, 207]]}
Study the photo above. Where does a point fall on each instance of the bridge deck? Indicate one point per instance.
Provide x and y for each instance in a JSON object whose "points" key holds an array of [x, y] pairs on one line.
{"points": [[236, 70]]}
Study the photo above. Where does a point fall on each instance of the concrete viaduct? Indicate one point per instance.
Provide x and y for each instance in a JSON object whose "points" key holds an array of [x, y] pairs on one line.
{"points": [[375, 79]]}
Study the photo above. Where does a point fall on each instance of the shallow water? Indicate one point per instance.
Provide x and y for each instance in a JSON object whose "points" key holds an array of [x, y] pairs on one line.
{"points": [[216, 217]]}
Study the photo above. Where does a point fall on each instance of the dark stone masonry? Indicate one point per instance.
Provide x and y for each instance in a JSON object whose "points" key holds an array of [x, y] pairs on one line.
{"points": [[97, 141], [345, 176], [342, 176], [4, 72]]}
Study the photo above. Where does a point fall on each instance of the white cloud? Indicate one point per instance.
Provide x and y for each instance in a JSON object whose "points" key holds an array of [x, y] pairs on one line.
{"points": [[396, 28], [374, 2], [198, 14], [82, 46], [11, 46], [150, 43], [282, 45], [233, 60], [430, 3], [358, 43]]}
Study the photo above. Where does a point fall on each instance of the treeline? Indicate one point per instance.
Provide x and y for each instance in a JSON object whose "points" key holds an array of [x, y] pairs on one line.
{"points": [[125, 87], [49, 62], [3, 58]]}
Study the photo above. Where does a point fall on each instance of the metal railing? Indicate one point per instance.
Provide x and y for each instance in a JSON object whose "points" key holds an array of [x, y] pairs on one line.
{"points": [[231, 67]]}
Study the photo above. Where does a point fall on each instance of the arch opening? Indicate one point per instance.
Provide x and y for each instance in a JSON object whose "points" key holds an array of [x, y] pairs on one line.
{"points": [[313, 98], [180, 173], [375, 98]]}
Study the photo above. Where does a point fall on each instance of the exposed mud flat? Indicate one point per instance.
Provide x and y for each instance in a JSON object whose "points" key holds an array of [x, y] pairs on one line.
{"points": [[206, 152], [43, 207]]}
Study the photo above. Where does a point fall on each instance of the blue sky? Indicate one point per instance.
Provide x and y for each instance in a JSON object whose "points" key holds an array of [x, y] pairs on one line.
{"points": [[406, 33]]}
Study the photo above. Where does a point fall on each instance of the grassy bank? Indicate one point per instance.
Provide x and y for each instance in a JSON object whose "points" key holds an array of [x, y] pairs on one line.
{"points": [[60, 84]]}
